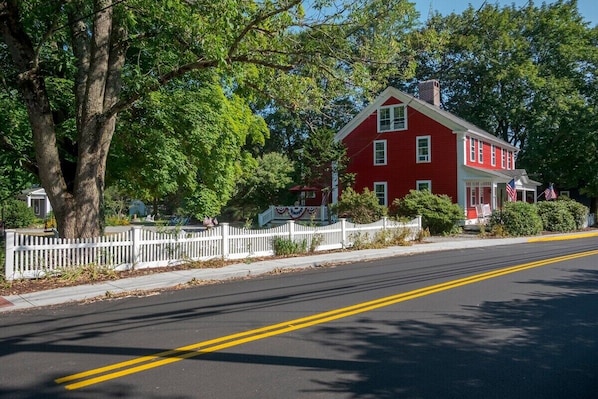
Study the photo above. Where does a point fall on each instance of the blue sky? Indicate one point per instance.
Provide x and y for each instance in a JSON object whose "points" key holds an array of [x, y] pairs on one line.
{"points": [[587, 8]]}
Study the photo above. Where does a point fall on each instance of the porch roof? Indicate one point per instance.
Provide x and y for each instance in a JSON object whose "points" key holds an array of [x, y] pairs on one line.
{"points": [[500, 176]]}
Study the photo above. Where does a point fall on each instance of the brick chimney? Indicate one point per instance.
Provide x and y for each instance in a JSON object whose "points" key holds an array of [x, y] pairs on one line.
{"points": [[429, 91]]}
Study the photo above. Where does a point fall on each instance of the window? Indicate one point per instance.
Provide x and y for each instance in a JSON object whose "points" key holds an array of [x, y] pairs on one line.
{"points": [[380, 152], [423, 149], [422, 185], [480, 151], [493, 155], [472, 149], [472, 196], [503, 158], [380, 190], [392, 118], [509, 157]]}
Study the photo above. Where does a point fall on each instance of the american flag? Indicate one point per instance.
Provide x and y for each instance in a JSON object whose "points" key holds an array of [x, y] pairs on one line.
{"points": [[511, 191], [549, 193]]}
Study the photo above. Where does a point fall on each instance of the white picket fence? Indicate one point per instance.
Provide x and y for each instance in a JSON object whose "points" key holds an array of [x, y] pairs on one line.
{"points": [[30, 256]]}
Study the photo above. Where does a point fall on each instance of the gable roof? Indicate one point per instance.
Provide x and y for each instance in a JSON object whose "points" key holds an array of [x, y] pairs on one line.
{"points": [[452, 122], [33, 191]]}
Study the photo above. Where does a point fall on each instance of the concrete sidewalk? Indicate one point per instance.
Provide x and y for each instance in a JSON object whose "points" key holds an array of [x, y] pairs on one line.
{"points": [[156, 281]]}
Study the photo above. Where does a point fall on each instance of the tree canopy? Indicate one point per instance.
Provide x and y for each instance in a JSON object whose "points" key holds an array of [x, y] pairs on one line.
{"points": [[527, 75], [77, 65]]}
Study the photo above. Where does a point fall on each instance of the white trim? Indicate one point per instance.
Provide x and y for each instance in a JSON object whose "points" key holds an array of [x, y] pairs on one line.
{"points": [[392, 117], [450, 121], [480, 151], [385, 185], [426, 182], [385, 156], [428, 140]]}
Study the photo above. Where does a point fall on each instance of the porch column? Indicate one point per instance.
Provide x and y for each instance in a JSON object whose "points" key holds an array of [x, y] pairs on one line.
{"points": [[494, 197]]}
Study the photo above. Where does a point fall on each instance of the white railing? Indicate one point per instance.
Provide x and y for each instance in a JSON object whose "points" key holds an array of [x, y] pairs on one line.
{"points": [[283, 213], [29, 256]]}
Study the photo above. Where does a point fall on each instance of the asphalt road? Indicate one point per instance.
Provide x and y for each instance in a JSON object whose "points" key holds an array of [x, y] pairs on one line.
{"points": [[515, 321]]}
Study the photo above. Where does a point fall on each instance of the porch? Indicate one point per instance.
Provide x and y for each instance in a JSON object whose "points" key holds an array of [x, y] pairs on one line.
{"points": [[485, 191], [282, 214]]}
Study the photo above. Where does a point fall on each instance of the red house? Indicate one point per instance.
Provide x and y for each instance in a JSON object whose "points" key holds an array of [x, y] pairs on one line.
{"points": [[400, 143]]}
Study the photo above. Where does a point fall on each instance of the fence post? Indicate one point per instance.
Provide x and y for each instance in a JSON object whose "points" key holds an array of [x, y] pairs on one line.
{"points": [[136, 246], [225, 243], [343, 232], [9, 259], [291, 225], [384, 223]]}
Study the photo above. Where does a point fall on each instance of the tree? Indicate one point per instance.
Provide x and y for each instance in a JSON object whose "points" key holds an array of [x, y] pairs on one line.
{"points": [[187, 142], [263, 185], [112, 53], [526, 75], [15, 166], [322, 157]]}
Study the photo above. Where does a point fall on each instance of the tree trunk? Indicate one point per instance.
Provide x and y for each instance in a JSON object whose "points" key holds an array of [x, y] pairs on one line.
{"points": [[100, 58]]}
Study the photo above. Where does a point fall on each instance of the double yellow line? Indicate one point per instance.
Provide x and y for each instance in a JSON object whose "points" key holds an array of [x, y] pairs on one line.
{"points": [[117, 370]]}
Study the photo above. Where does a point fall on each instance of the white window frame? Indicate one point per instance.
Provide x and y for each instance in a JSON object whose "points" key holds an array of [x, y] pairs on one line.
{"points": [[472, 196], [377, 151], [472, 149], [427, 158], [480, 151], [509, 159], [427, 183], [503, 156], [385, 191], [493, 154], [394, 122]]}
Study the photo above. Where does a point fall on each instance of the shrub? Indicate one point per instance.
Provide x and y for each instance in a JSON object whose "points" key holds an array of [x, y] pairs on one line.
{"points": [[360, 208], [555, 216], [17, 214], [578, 211], [116, 220], [285, 247], [439, 214], [516, 219]]}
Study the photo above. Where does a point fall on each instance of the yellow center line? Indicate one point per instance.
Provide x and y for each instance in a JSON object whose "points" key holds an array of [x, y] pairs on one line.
{"points": [[132, 366]]}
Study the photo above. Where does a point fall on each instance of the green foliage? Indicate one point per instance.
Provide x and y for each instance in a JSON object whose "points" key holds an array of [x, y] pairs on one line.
{"points": [[382, 239], [361, 208], [320, 157], [555, 217], [562, 215], [17, 214], [439, 214], [238, 58], [578, 211], [117, 220], [86, 273], [16, 154], [516, 219], [186, 142], [286, 247], [262, 185], [530, 82]]}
